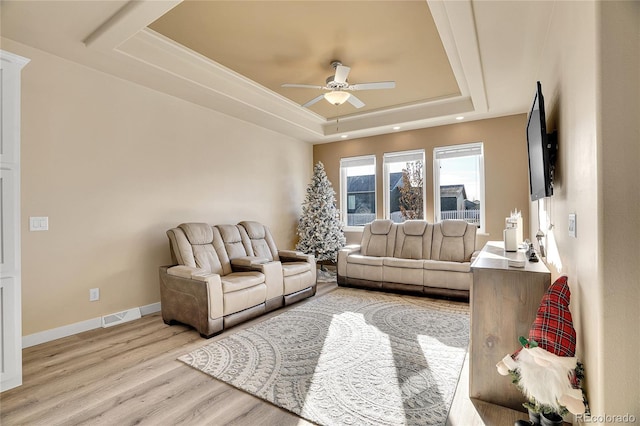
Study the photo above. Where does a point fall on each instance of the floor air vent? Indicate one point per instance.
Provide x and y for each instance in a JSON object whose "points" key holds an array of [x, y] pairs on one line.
{"points": [[120, 317]]}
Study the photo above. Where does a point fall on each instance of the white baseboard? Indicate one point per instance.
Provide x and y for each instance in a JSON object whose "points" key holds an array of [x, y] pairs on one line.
{"points": [[78, 327], [150, 309]]}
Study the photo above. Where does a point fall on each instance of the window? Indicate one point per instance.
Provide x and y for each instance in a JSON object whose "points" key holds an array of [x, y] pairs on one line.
{"points": [[458, 174], [358, 190], [404, 185]]}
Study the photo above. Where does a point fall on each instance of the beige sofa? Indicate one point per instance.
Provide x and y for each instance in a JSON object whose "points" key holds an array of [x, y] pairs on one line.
{"points": [[414, 256], [222, 276]]}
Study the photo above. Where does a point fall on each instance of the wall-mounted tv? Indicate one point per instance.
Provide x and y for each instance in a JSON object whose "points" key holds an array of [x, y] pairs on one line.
{"points": [[541, 149]]}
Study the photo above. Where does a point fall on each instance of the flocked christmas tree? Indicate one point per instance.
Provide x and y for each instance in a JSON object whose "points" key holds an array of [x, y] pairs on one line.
{"points": [[320, 229]]}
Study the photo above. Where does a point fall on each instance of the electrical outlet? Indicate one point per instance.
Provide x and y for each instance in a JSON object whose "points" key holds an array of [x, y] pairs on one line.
{"points": [[94, 294]]}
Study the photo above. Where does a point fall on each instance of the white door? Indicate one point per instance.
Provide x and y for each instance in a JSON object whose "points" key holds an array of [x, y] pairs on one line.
{"points": [[10, 285]]}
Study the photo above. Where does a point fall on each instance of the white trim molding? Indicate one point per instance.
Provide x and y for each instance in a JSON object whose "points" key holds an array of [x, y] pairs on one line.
{"points": [[76, 328], [10, 241]]}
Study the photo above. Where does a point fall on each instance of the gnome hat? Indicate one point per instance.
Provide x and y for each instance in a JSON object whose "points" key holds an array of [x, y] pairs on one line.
{"points": [[553, 328]]}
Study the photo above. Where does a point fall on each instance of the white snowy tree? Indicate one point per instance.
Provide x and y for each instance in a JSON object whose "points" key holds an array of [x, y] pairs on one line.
{"points": [[320, 229]]}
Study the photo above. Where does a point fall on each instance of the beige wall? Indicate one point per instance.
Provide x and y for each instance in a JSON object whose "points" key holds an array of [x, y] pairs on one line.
{"points": [[114, 165], [590, 76], [505, 163]]}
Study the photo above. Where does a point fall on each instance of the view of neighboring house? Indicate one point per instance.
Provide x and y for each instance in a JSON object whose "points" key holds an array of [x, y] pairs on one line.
{"points": [[455, 205], [361, 200], [452, 198]]}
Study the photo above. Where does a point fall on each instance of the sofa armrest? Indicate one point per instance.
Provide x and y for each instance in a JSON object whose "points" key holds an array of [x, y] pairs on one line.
{"points": [[273, 278], [252, 262], [343, 253], [201, 290], [185, 271], [474, 255], [295, 256]]}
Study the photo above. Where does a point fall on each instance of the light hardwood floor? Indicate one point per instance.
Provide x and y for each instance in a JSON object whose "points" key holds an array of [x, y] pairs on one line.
{"points": [[129, 374]]}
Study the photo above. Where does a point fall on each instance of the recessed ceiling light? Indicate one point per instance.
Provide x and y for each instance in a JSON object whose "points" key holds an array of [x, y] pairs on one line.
{"points": [[459, 118], [396, 127], [344, 136]]}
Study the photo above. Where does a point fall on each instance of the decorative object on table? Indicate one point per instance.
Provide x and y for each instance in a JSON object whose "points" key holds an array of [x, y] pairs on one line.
{"points": [[320, 229], [545, 368], [512, 233], [350, 357]]}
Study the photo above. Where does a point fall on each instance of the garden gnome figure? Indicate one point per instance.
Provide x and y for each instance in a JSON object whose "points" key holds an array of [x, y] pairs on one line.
{"points": [[546, 364]]}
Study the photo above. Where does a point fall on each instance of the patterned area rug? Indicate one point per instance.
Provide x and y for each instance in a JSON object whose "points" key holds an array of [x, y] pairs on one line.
{"points": [[350, 357]]}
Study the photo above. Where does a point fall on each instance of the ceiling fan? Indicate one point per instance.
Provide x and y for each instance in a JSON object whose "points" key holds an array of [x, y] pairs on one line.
{"points": [[337, 86]]}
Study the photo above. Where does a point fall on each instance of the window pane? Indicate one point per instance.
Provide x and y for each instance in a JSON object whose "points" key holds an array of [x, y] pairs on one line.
{"points": [[405, 183], [460, 188], [361, 195]]}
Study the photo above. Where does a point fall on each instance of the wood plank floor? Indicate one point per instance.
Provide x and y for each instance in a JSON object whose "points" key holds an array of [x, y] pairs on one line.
{"points": [[129, 374]]}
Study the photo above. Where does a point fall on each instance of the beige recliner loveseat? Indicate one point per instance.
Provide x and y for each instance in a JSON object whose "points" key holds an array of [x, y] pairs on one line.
{"points": [[210, 290], [414, 256]]}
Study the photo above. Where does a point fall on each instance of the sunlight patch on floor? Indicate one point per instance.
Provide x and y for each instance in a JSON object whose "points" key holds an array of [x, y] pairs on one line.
{"points": [[330, 366]]}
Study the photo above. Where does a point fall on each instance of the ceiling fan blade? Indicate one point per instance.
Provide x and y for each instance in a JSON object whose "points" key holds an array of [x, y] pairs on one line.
{"points": [[355, 102], [313, 101], [342, 73], [371, 86], [302, 86]]}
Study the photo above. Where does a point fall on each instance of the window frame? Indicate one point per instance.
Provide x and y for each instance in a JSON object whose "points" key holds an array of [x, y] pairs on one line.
{"points": [[458, 151], [345, 163], [389, 158]]}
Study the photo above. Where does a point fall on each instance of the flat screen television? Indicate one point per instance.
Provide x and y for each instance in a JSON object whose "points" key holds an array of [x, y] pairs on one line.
{"points": [[541, 149]]}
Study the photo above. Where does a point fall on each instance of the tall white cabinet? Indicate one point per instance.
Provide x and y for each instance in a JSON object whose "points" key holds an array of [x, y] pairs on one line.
{"points": [[10, 284]]}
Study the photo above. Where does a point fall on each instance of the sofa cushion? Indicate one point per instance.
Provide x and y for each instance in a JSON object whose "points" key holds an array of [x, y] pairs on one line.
{"points": [[197, 233], [403, 271], [381, 226], [414, 227], [260, 239], [207, 259], [236, 301], [294, 268], [361, 271], [413, 240], [233, 242], [378, 238], [296, 282], [255, 230], [413, 276], [453, 240], [453, 228], [360, 259], [439, 265], [397, 262], [200, 237], [241, 280]]}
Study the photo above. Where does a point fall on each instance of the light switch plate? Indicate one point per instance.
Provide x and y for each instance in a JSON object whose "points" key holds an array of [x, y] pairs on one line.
{"points": [[572, 225], [38, 223]]}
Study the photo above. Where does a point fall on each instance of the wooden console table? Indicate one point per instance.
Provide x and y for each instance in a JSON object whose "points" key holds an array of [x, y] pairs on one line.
{"points": [[503, 301]]}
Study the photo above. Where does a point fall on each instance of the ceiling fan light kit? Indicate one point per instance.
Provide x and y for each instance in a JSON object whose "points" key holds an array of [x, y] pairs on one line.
{"points": [[337, 97], [337, 84]]}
